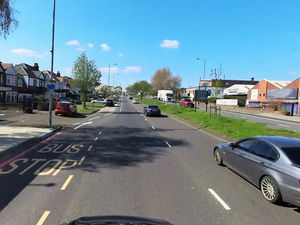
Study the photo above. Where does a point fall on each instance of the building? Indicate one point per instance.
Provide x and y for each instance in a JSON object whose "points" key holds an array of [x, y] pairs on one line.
{"points": [[238, 89], [257, 96], [3, 87]]}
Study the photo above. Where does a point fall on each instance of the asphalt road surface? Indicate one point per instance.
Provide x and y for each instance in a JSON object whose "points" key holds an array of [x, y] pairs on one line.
{"points": [[123, 163]]}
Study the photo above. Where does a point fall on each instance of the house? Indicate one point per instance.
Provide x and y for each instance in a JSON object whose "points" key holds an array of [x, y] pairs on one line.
{"points": [[257, 96], [58, 81], [34, 80], [3, 87]]}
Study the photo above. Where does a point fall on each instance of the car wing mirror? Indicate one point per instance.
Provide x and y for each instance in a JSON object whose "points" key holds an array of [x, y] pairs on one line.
{"points": [[232, 145]]}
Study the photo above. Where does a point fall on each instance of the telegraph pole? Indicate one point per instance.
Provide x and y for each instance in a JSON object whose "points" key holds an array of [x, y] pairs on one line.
{"points": [[52, 62]]}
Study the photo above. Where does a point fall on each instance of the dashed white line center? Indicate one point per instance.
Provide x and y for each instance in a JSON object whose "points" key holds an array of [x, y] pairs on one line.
{"points": [[96, 138], [66, 183], [81, 160], [167, 143], [220, 200], [90, 148], [43, 218], [153, 127]]}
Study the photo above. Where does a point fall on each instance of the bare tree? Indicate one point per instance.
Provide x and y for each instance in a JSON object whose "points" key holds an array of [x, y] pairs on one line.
{"points": [[175, 84], [7, 20], [161, 79]]}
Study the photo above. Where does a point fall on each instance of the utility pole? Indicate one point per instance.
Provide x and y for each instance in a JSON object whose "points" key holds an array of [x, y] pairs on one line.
{"points": [[204, 68], [52, 62], [108, 75]]}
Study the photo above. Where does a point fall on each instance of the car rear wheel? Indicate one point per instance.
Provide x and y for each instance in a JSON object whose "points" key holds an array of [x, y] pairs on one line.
{"points": [[218, 157], [270, 190], [70, 114]]}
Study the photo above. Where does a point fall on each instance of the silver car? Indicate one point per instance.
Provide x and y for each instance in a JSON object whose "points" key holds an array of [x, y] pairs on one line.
{"points": [[270, 163]]}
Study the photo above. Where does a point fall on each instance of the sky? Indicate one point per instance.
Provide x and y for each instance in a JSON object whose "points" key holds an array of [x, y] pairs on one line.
{"points": [[248, 38]]}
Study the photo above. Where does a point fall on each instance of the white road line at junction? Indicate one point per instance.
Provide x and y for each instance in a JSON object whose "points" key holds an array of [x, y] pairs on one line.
{"points": [[145, 119], [43, 218], [75, 128], [2, 114], [153, 127], [76, 124], [282, 125], [107, 114], [96, 138], [97, 117], [66, 183], [220, 200], [90, 148], [81, 160], [100, 132], [167, 143]]}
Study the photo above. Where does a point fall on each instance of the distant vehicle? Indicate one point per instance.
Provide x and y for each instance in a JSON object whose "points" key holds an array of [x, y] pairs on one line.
{"points": [[270, 163], [187, 102], [152, 110], [102, 101], [165, 95], [65, 108], [109, 102], [135, 101]]}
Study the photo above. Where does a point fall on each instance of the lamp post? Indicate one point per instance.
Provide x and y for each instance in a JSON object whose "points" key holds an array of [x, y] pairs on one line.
{"points": [[52, 62], [204, 67], [109, 73]]}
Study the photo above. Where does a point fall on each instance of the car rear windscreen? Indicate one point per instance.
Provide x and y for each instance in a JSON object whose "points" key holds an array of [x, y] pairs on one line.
{"points": [[153, 106], [293, 153], [64, 105]]}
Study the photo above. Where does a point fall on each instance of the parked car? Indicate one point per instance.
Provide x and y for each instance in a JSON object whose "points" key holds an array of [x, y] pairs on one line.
{"points": [[135, 101], [102, 101], [186, 102], [65, 108], [109, 102], [270, 163], [65, 99], [152, 110]]}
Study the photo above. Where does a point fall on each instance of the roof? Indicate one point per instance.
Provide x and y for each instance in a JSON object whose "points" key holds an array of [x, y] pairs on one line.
{"points": [[26, 70], [53, 77], [279, 83], [1, 69], [6, 65]]}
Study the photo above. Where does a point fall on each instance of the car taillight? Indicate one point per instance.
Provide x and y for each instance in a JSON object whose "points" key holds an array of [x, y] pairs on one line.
{"points": [[299, 182], [148, 110]]}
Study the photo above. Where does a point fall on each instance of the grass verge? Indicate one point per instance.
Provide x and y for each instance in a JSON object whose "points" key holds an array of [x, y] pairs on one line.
{"points": [[231, 127], [90, 108]]}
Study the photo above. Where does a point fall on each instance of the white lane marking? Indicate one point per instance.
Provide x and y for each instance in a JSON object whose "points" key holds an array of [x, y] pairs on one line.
{"points": [[76, 124], [66, 183], [145, 119], [2, 114], [75, 128], [100, 132], [153, 127], [167, 143], [81, 161], [282, 125], [43, 218], [96, 138], [107, 114], [90, 148], [97, 117], [219, 199]]}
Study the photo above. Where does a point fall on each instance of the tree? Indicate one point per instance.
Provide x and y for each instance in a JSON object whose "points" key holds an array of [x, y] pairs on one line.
{"points": [[142, 88], [7, 20], [130, 90], [104, 91], [86, 75], [175, 84], [160, 80]]}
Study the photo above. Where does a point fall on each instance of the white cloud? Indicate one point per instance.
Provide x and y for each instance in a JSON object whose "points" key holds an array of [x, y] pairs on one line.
{"points": [[73, 42], [112, 69], [27, 52], [135, 69], [169, 44], [105, 47], [120, 54], [90, 45], [68, 70], [80, 49], [292, 72]]}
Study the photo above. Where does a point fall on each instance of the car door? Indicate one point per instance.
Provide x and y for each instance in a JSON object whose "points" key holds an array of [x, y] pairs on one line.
{"points": [[235, 154], [258, 160]]}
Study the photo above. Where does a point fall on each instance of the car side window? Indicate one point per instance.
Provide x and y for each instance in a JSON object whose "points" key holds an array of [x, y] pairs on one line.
{"points": [[246, 145], [264, 150]]}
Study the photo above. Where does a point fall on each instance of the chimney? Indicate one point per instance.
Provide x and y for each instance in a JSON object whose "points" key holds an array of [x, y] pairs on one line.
{"points": [[36, 66], [252, 78], [58, 74]]}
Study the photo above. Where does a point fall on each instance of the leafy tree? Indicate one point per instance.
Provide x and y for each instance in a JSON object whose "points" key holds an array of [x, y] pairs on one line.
{"points": [[160, 80], [86, 75], [104, 91], [175, 84], [7, 20], [142, 88], [130, 90]]}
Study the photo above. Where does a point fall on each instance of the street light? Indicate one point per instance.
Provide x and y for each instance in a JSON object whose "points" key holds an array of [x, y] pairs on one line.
{"points": [[109, 73], [204, 66]]}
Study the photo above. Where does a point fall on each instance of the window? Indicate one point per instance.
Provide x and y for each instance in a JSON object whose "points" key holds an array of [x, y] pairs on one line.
{"points": [[42, 84], [293, 153], [7, 80], [1, 79], [34, 82], [264, 150], [20, 82], [11, 97], [246, 145]]}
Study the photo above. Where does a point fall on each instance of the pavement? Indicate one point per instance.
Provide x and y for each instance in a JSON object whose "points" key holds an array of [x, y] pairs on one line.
{"points": [[124, 163]]}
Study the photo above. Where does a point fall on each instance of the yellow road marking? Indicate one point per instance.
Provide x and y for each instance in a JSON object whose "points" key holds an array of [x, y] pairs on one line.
{"points": [[66, 183], [43, 218]]}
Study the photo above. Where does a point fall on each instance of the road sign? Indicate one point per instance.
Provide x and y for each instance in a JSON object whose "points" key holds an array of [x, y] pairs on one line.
{"points": [[51, 86]]}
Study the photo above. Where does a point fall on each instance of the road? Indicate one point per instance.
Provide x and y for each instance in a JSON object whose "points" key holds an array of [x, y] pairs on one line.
{"points": [[123, 163]]}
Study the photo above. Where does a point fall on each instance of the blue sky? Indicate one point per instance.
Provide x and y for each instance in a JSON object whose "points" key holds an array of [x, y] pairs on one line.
{"points": [[255, 38]]}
